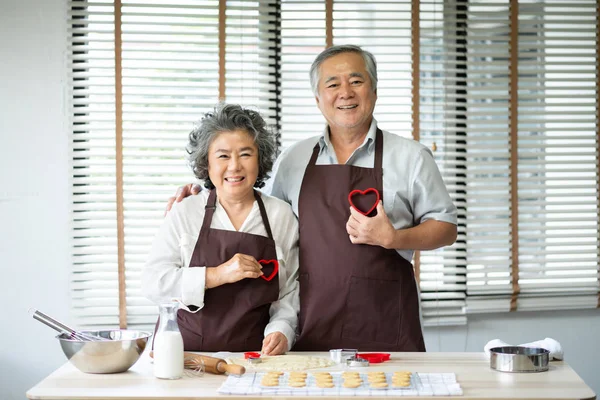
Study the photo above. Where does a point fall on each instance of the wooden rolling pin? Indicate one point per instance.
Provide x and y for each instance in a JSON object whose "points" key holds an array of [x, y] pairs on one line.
{"points": [[211, 364]]}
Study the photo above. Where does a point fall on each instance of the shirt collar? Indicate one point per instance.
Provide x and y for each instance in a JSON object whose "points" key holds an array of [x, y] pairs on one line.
{"points": [[325, 142]]}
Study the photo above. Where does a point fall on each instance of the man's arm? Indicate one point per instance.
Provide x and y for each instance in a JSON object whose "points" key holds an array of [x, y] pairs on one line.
{"points": [[379, 231], [428, 235], [432, 209]]}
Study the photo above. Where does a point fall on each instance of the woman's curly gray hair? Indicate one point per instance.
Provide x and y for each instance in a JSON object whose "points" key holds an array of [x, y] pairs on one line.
{"points": [[227, 118]]}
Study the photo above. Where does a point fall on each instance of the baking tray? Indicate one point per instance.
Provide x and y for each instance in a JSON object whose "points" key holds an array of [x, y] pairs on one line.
{"points": [[519, 359]]}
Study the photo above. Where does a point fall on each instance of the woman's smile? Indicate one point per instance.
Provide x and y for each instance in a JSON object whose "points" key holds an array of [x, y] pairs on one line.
{"points": [[234, 179]]}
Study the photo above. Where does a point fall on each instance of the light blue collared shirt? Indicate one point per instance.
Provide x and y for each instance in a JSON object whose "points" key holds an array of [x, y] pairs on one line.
{"points": [[413, 189]]}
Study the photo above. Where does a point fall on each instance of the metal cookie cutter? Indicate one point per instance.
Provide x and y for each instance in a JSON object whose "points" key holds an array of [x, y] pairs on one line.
{"points": [[341, 355], [252, 357], [357, 362]]}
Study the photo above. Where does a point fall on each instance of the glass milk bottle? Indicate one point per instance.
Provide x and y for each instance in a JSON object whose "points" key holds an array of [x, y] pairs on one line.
{"points": [[168, 344]]}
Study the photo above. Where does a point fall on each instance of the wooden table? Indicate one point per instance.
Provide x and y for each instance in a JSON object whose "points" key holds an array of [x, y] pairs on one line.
{"points": [[472, 371]]}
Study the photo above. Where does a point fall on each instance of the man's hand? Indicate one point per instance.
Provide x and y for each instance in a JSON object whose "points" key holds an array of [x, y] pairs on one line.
{"points": [[239, 267], [376, 231], [274, 344], [182, 193]]}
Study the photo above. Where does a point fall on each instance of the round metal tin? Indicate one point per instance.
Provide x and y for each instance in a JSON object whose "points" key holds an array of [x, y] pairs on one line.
{"points": [[519, 359], [357, 362], [342, 355]]}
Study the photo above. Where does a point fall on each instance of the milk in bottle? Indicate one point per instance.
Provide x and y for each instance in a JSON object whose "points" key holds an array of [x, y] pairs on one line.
{"points": [[168, 344]]}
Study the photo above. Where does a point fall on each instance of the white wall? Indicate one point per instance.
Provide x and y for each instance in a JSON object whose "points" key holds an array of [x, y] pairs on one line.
{"points": [[577, 331], [34, 254], [34, 215]]}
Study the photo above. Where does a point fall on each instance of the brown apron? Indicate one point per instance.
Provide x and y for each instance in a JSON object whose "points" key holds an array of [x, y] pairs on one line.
{"points": [[351, 296], [234, 315]]}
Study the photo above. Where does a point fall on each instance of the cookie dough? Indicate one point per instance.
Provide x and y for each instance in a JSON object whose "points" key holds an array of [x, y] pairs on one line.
{"points": [[285, 363]]}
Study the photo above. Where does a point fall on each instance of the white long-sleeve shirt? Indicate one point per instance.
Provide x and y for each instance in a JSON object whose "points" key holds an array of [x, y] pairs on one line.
{"points": [[166, 274]]}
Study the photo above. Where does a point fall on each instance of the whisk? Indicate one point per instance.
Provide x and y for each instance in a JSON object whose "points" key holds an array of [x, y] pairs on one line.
{"points": [[57, 326], [194, 366]]}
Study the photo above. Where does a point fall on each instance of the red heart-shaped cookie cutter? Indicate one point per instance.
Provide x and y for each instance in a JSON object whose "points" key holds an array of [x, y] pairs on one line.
{"points": [[363, 192], [374, 358], [275, 263]]}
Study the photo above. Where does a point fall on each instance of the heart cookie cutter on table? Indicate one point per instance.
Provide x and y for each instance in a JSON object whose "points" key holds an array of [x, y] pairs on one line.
{"points": [[374, 358], [252, 357]]}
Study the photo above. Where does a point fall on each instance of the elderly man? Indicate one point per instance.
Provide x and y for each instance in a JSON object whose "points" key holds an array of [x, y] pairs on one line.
{"points": [[357, 285]]}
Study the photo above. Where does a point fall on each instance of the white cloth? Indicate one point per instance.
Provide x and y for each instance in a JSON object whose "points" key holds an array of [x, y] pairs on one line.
{"points": [[554, 347], [166, 274], [413, 189]]}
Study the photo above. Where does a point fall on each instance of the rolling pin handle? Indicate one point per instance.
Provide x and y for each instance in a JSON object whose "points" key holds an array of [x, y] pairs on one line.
{"points": [[232, 369]]}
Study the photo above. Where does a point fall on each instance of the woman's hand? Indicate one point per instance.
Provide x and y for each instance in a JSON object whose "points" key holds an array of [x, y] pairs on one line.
{"points": [[274, 344], [237, 268]]}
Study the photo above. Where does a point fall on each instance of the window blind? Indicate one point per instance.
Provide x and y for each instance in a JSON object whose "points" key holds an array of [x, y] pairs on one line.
{"points": [[515, 139], [442, 52], [488, 151], [252, 56], [170, 70], [558, 166], [94, 243], [170, 65], [383, 28], [302, 39], [557, 170]]}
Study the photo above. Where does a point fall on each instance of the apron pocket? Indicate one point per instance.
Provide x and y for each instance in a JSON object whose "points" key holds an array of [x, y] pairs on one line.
{"points": [[192, 339], [372, 311]]}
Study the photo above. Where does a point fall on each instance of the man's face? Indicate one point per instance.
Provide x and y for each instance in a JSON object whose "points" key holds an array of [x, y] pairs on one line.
{"points": [[345, 95]]}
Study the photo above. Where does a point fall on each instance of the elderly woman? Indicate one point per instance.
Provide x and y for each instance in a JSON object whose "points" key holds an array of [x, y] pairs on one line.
{"points": [[230, 254]]}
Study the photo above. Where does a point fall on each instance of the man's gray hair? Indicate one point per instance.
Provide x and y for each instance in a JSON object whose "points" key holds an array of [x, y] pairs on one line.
{"points": [[227, 118], [370, 63]]}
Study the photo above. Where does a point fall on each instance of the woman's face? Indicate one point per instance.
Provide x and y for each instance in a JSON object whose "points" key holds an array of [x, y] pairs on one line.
{"points": [[233, 164]]}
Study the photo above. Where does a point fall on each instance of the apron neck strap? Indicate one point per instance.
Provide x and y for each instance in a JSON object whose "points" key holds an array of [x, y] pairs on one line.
{"points": [[315, 154], [209, 210], [378, 149], [263, 213], [211, 206]]}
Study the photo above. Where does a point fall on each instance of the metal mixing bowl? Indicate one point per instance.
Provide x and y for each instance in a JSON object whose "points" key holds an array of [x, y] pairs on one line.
{"points": [[106, 357]]}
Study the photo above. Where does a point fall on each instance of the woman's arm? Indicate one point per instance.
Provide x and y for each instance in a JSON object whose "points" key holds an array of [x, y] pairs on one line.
{"points": [[165, 275]]}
